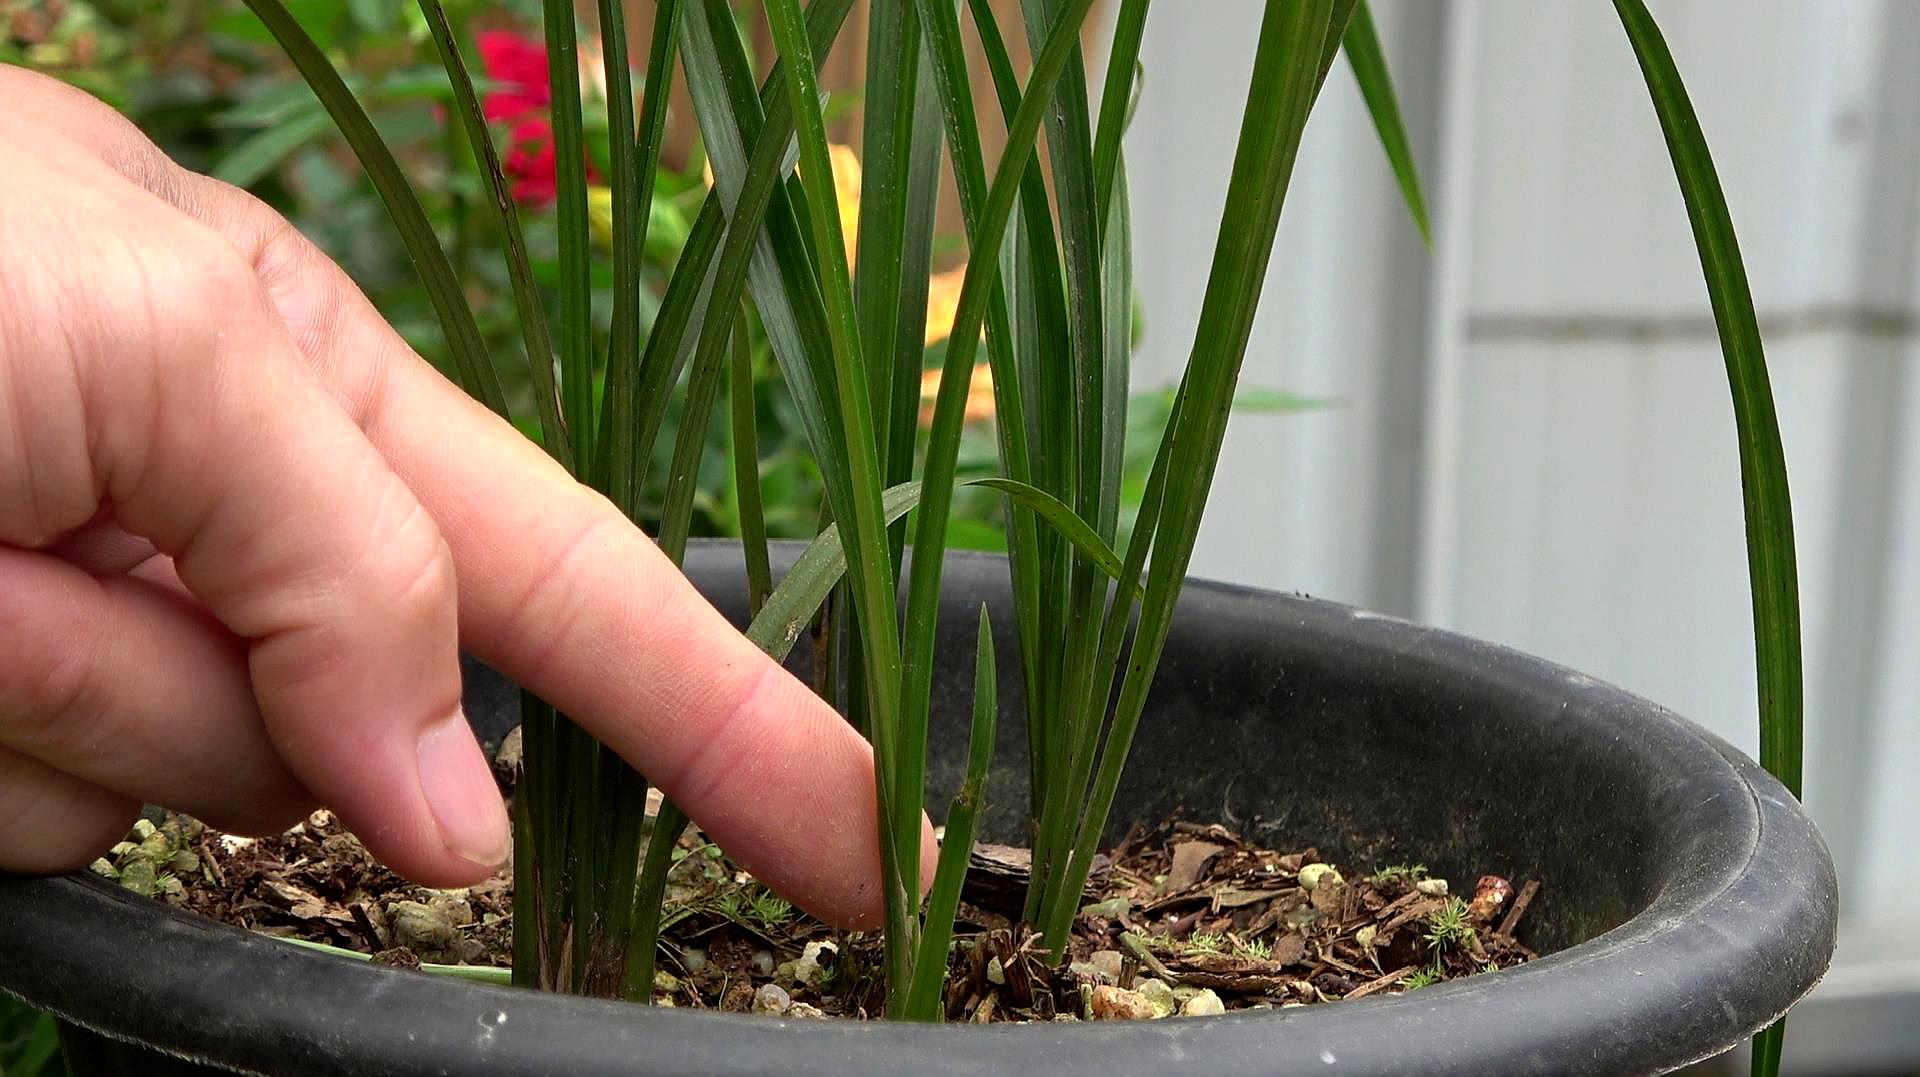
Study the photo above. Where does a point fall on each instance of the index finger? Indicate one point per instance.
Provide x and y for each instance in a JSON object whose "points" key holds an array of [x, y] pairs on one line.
{"points": [[565, 596], [556, 588]]}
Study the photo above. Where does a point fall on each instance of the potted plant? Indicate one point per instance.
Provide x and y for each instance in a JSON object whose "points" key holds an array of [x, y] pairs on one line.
{"points": [[1691, 902]]}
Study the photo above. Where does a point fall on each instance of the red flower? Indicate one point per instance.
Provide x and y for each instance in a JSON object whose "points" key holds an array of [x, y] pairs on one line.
{"points": [[519, 64], [531, 162]]}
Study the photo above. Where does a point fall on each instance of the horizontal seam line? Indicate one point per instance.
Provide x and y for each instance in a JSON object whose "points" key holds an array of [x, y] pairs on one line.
{"points": [[1891, 323]]}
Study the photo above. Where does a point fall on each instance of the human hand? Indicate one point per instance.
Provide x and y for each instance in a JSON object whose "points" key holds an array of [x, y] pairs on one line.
{"points": [[244, 531]]}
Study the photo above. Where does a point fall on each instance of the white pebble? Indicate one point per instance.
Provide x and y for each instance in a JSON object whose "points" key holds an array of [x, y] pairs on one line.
{"points": [[1204, 1004], [771, 998]]}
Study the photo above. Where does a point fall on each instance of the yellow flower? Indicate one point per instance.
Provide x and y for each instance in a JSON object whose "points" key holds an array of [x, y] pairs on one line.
{"points": [[943, 288], [943, 302], [846, 192], [979, 394], [600, 214]]}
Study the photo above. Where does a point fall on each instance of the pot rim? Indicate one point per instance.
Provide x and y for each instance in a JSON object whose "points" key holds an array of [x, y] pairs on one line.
{"points": [[1725, 946]]}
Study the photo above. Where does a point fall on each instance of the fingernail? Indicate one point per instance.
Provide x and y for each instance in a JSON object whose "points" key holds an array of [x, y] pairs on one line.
{"points": [[461, 794]]}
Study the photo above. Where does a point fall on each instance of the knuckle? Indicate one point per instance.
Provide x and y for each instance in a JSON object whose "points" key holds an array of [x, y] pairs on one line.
{"points": [[309, 293], [410, 564], [178, 291], [161, 279], [52, 695], [732, 742], [196, 275]]}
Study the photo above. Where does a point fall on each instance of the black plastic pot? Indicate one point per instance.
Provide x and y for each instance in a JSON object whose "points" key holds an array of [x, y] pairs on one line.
{"points": [[1687, 901]]}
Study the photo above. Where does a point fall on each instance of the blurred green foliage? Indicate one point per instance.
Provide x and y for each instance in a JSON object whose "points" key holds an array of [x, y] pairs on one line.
{"points": [[205, 81], [29, 1046]]}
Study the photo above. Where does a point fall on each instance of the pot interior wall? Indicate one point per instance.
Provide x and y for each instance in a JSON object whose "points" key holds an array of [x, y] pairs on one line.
{"points": [[1269, 720]]}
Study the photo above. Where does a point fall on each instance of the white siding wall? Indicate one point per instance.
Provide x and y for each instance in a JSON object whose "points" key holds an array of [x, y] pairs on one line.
{"points": [[1532, 441]]}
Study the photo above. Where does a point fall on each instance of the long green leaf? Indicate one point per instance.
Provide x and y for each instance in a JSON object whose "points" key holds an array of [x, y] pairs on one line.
{"points": [[710, 366], [613, 468], [1070, 155], [1030, 357], [526, 290], [1763, 465], [785, 291], [916, 265], [634, 165], [690, 289], [1369, 63], [1771, 567], [1330, 45], [1060, 594], [633, 162], [1286, 73], [1052, 63], [956, 848], [724, 288], [581, 760], [1097, 412], [464, 343], [1117, 346], [763, 176], [1088, 677], [869, 573], [745, 443], [1768, 1044], [822, 563], [1116, 98], [1098, 406], [575, 328], [677, 325], [782, 290], [894, 248]]}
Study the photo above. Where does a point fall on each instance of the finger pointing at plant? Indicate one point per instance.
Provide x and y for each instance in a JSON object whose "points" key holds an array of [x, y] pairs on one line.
{"points": [[244, 530]]}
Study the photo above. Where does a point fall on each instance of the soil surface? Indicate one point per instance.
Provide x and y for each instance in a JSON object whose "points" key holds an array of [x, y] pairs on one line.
{"points": [[1181, 919]]}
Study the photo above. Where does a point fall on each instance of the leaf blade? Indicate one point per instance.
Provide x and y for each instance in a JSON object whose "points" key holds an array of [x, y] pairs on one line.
{"points": [[1369, 63], [1280, 97], [956, 848], [1768, 510], [526, 289], [464, 341], [744, 425], [575, 327]]}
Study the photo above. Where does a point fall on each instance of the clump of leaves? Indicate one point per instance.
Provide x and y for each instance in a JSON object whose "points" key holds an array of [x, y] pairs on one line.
{"points": [[752, 906], [1401, 873], [1426, 977], [768, 909], [152, 864], [1257, 949], [1450, 928], [1203, 942]]}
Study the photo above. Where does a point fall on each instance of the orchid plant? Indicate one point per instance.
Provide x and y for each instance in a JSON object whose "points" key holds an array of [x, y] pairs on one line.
{"points": [[833, 268]]}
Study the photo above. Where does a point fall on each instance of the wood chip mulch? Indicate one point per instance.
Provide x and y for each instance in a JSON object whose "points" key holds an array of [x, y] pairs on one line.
{"points": [[1186, 918]]}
